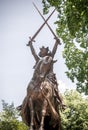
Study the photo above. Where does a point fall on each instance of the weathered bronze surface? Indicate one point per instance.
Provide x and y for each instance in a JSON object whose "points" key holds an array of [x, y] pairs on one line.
{"points": [[40, 108], [40, 105]]}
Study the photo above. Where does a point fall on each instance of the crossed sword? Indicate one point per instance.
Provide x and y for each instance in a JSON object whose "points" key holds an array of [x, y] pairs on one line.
{"points": [[45, 22]]}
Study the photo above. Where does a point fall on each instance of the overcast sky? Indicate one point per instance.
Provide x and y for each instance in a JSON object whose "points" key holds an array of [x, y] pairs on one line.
{"points": [[19, 20]]}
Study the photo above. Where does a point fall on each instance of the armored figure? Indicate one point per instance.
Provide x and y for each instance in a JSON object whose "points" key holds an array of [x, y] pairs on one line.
{"points": [[44, 51]]}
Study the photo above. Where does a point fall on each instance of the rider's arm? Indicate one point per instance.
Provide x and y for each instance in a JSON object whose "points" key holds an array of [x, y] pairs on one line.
{"points": [[33, 52], [54, 48]]}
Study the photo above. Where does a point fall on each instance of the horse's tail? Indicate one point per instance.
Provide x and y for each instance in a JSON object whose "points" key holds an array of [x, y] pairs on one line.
{"points": [[25, 112]]}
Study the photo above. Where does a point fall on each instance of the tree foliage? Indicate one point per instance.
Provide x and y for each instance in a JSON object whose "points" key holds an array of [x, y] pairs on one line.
{"points": [[9, 118], [75, 116], [72, 27]]}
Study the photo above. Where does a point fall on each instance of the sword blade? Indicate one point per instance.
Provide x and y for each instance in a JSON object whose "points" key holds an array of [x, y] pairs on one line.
{"points": [[47, 24], [32, 39]]}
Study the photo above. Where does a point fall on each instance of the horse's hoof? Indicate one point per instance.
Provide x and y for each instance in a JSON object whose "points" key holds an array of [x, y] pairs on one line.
{"points": [[31, 128], [41, 128]]}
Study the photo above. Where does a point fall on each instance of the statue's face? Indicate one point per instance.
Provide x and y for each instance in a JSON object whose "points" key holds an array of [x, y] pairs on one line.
{"points": [[43, 52]]}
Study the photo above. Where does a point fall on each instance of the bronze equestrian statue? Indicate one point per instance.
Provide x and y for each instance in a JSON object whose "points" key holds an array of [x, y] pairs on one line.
{"points": [[40, 108]]}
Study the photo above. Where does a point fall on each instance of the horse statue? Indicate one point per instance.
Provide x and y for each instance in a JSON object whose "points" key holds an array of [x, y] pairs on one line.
{"points": [[39, 109]]}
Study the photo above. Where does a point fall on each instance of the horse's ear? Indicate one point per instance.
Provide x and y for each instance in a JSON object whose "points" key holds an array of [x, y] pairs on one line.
{"points": [[54, 61]]}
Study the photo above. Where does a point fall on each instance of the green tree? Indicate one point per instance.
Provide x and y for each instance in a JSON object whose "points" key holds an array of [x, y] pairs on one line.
{"points": [[72, 28], [75, 116], [9, 118]]}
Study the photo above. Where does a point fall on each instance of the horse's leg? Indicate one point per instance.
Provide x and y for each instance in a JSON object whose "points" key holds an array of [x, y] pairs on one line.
{"points": [[43, 114], [31, 113], [59, 122]]}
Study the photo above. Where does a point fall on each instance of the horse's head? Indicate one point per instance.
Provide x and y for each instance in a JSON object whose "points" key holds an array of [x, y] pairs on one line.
{"points": [[46, 65]]}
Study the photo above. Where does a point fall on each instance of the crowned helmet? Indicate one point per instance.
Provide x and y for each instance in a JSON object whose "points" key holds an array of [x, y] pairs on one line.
{"points": [[44, 51]]}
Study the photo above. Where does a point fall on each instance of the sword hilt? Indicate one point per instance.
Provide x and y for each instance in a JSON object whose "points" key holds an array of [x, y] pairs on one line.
{"points": [[30, 41], [57, 40]]}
